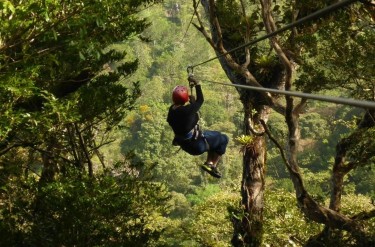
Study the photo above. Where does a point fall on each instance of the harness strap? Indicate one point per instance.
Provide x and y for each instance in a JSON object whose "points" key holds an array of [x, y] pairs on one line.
{"points": [[197, 132], [207, 145], [194, 134], [200, 134]]}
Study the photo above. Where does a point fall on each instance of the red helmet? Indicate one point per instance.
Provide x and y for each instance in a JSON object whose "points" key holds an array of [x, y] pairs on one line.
{"points": [[180, 95]]}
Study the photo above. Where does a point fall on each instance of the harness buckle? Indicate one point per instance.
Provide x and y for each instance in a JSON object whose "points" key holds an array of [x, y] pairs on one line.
{"points": [[196, 132]]}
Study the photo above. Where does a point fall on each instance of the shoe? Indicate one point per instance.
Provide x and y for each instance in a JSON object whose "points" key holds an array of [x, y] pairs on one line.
{"points": [[212, 170]]}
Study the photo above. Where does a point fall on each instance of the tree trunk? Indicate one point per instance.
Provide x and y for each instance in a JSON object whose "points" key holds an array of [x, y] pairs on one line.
{"points": [[339, 171], [49, 162], [310, 208], [84, 150], [248, 231]]}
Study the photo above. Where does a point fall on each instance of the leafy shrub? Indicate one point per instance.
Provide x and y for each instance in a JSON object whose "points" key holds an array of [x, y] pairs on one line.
{"points": [[81, 211], [284, 223]]}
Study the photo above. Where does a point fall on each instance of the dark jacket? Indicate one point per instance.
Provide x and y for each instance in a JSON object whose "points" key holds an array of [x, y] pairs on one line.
{"points": [[183, 119]]}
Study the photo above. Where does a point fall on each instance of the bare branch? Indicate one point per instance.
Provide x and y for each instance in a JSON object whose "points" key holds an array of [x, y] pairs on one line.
{"points": [[281, 150], [300, 106], [364, 215], [247, 36], [205, 34], [84, 148], [201, 28]]}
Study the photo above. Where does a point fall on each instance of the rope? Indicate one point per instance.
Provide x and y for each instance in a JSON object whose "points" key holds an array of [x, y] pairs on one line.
{"points": [[312, 16], [191, 20], [338, 100]]}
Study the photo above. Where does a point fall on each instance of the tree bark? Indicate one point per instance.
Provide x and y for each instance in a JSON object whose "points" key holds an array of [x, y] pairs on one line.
{"points": [[340, 167], [247, 230], [49, 163], [310, 208], [84, 150]]}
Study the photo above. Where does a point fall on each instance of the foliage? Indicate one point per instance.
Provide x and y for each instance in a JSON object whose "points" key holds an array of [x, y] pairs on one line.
{"points": [[64, 88], [201, 194], [58, 88], [209, 224], [244, 140], [313, 125], [284, 223], [363, 178], [79, 211], [354, 204], [341, 50], [67, 71]]}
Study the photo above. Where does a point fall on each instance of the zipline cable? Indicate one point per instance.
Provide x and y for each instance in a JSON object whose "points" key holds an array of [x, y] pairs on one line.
{"points": [[312, 16], [338, 100]]}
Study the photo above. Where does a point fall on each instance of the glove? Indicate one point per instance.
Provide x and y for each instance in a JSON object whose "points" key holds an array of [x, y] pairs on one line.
{"points": [[191, 99], [193, 81]]}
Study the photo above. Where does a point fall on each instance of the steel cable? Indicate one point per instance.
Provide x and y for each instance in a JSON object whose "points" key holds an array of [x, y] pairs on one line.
{"points": [[338, 100]]}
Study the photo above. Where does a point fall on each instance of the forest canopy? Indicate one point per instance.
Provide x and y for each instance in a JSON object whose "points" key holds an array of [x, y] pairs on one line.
{"points": [[86, 154]]}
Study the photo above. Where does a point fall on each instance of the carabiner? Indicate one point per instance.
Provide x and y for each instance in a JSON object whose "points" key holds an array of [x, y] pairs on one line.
{"points": [[190, 70]]}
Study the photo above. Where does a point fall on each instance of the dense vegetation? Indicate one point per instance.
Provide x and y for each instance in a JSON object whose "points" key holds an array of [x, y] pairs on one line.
{"points": [[307, 57], [85, 151]]}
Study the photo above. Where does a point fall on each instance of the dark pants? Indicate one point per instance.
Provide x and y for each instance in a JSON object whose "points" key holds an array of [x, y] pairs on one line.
{"points": [[217, 142]]}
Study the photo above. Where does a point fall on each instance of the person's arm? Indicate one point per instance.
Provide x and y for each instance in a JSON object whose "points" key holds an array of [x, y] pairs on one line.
{"points": [[198, 91], [197, 103]]}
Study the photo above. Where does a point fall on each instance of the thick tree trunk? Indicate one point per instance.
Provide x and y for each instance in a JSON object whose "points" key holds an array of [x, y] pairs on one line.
{"points": [[252, 191], [338, 173], [340, 167], [248, 231], [310, 208]]}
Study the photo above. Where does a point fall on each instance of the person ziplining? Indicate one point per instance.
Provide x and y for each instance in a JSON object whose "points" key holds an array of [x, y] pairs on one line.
{"points": [[183, 117]]}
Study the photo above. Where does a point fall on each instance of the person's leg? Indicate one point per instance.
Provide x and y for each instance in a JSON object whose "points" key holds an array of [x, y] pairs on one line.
{"points": [[215, 158], [210, 157], [217, 145], [209, 165]]}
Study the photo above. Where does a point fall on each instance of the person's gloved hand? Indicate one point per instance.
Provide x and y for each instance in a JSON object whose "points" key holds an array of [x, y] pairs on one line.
{"points": [[191, 99], [193, 81]]}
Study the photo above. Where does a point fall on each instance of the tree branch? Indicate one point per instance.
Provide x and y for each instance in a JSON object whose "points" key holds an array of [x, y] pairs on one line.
{"points": [[85, 151], [281, 150], [247, 36], [201, 28], [364, 215]]}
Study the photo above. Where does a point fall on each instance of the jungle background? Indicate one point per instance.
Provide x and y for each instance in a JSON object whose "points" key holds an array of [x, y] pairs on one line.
{"points": [[91, 163]]}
